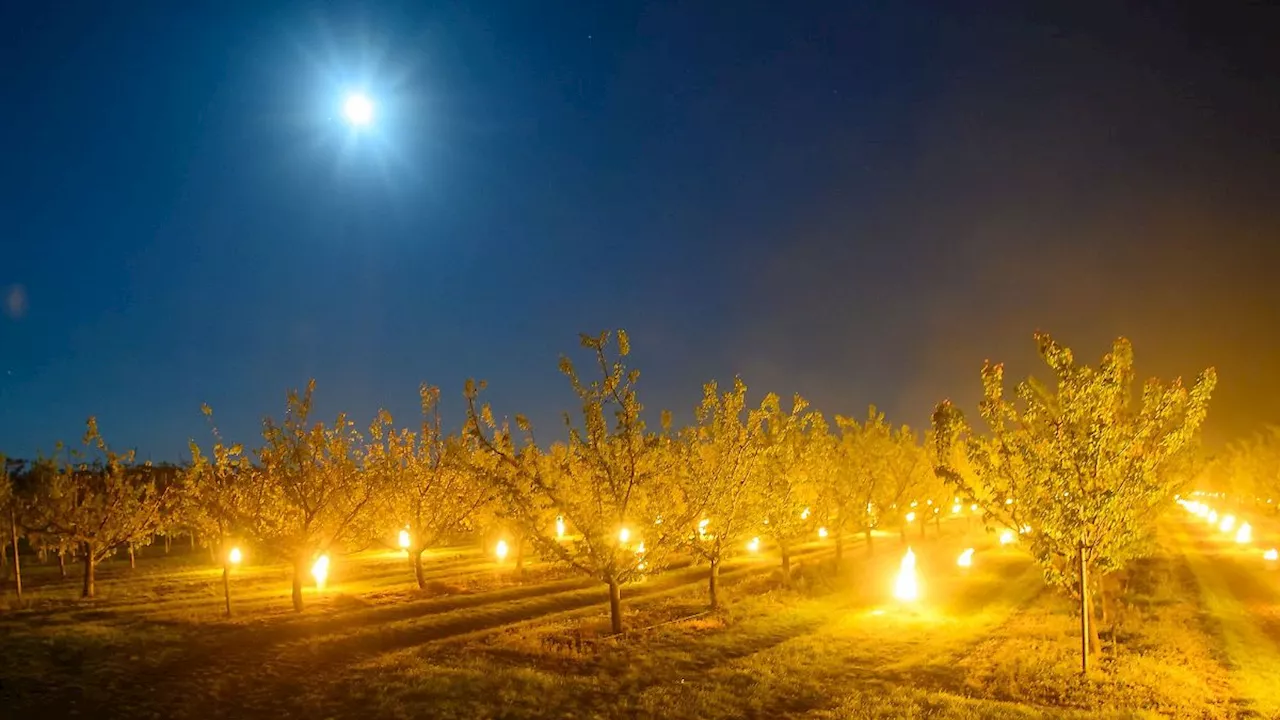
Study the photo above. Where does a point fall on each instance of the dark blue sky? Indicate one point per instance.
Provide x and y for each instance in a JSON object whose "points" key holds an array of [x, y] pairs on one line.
{"points": [[855, 201]]}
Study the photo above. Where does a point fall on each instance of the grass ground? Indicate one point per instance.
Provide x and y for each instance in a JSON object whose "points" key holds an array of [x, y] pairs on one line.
{"points": [[483, 642]]}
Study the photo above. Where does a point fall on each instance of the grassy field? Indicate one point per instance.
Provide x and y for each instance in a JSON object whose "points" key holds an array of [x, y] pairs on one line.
{"points": [[485, 641]]}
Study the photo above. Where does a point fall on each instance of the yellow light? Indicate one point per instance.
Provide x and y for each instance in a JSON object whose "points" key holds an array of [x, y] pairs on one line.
{"points": [[905, 587], [1026, 529], [973, 507], [1007, 537], [624, 535], [1212, 517], [754, 545], [404, 539], [702, 526], [914, 503], [1008, 501], [1270, 554], [955, 509], [560, 528], [640, 548], [500, 550], [235, 556], [320, 571], [911, 517], [1228, 522], [822, 532], [805, 514], [966, 558], [1244, 534]]}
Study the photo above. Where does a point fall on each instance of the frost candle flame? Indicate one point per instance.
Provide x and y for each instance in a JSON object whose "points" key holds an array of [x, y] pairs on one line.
{"points": [[1244, 535], [906, 587], [320, 571]]}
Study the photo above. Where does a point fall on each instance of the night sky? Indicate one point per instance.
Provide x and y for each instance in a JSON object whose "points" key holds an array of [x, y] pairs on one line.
{"points": [[855, 201]]}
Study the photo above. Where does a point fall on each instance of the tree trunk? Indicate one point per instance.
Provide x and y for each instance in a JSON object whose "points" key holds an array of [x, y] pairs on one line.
{"points": [[520, 555], [902, 533], [924, 522], [713, 584], [226, 585], [870, 541], [839, 547], [168, 543], [937, 523], [615, 606], [87, 588], [17, 564], [193, 541], [786, 564], [299, 567], [133, 562], [417, 568], [1084, 614], [62, 563]]}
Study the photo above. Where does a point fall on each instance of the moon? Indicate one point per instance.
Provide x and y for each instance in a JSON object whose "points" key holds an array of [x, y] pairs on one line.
{"points": [[358, 109]]}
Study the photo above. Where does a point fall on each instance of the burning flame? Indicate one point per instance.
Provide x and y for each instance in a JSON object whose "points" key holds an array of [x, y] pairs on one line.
{"points": [[320, 571], [906, 588], [1244, 534]]}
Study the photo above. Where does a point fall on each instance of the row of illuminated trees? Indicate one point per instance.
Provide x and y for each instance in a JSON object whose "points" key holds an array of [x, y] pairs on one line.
{"points": [[1081, 467], [612, 499]]}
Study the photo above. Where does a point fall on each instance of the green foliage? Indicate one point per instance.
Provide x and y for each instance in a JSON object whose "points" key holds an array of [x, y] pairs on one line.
{"points": [[432, 489], [307, 494], [610, 481], [213, 497], [99, 505], [793, 442], [719, 459], [1087, 469], [1248, 471]]}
